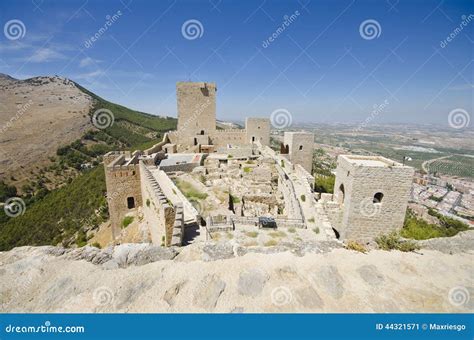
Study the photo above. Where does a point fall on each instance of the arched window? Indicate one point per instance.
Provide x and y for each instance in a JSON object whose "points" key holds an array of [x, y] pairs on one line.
{"points": [[301, 147], [130, 202], [378, 197], [202, 132]]}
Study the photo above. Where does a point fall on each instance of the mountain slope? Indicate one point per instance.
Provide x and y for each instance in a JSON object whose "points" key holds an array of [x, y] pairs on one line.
{"points": [[61, 196], [37, 116]]}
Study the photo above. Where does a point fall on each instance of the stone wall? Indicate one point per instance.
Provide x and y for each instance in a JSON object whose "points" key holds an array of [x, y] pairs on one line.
{"points": [[373, 194], [176, 196], [221, 138], [158, 146], [165, 221]]}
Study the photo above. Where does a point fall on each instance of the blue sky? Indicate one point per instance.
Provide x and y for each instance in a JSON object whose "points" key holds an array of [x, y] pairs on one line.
{"points": [[319, 67]]}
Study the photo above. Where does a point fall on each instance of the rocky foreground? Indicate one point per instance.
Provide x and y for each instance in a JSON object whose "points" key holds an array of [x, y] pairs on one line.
{"points": [[227, 278]]}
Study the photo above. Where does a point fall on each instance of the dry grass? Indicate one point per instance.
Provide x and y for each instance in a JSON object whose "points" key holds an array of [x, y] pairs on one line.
{"points": [[277, 234], [271, 243], [356, 246]]}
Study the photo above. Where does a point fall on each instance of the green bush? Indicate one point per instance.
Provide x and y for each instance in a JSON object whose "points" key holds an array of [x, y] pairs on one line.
{"points": [[324, 184], [393, 241], [303, 198], [126, 221], [418, 229]]}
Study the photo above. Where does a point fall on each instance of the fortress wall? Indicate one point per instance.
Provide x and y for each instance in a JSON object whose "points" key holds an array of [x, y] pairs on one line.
{"points": [[158, 146], [228, 136], [176, 196], [159, 213]]}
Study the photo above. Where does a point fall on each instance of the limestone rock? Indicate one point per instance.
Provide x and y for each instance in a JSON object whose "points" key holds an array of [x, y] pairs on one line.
{"points": [[251, 282], [208, 292], [217, 251], [371, 275], [330, 280]]}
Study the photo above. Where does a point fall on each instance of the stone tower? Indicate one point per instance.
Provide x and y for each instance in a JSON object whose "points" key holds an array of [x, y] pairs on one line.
{"points": [[196, 112], [122, 177], [258, 129], [372, 193], [299, 148]]}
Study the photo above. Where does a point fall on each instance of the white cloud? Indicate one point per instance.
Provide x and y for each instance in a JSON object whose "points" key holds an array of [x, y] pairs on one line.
{"points": [[89, 76], [88, 61], [44, 55]]}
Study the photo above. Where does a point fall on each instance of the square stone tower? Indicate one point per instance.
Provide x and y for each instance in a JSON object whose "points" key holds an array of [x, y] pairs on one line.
{"points": [[258, 129], [372, 193], [299, 147], [196, 111]]}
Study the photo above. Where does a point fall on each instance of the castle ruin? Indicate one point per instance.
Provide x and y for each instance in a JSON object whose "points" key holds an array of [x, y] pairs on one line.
{"points": [[215, 179]]}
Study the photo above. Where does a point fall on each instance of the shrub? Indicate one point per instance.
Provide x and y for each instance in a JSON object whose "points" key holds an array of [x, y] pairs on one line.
{"points": [[324, 184], [234, 199], [393, 241], [303, 198], [96, 244], [311, 220], [247, 169], [292, 230], [147, 202], [126, 221], [356, 246], [316, 230], [418, 229]]}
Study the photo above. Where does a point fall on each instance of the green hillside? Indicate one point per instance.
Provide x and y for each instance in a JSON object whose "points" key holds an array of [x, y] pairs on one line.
{"points": [[60, 215]]}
